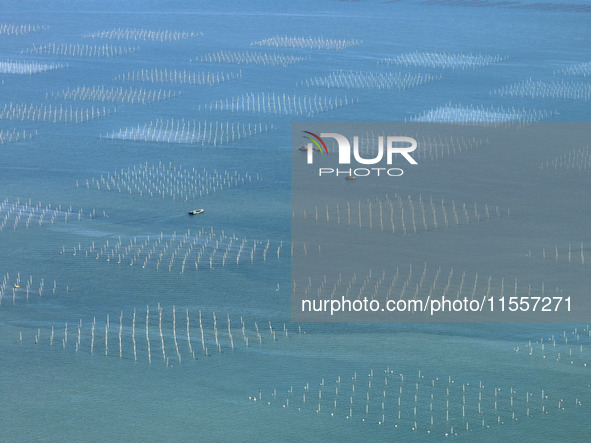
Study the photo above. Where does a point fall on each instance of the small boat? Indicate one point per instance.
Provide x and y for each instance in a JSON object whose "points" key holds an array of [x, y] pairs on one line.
{"points": [[305, 148], [196, 211], [350, 177]]}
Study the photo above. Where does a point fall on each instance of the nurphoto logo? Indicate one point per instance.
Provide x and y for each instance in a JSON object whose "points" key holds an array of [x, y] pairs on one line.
{"points": [[387, 148]]}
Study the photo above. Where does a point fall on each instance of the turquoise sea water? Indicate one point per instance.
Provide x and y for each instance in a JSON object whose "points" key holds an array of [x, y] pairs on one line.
{"points": [[57, 389]]}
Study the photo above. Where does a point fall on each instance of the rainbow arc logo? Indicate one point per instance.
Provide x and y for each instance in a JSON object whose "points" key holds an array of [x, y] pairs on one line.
{"points": [[317, 141]]}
